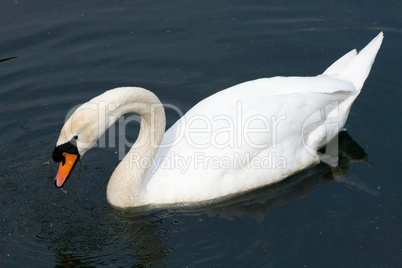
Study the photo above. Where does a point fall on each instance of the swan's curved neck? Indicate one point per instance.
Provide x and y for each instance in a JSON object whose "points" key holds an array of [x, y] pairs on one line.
{"points": [[126, 185]]}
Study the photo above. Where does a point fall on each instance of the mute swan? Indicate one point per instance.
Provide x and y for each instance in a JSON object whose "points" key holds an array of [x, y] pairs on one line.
{"points": [[241, 138]]}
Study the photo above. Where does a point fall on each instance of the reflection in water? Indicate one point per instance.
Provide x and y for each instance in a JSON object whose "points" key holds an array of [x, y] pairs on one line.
{"points": [[145, 233]]}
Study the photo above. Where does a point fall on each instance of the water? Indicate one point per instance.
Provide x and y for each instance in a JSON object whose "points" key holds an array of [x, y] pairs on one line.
{"points": [[61, 54]]}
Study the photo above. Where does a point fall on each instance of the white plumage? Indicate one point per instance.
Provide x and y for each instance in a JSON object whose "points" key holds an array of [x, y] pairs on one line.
{"points": [[241, 138]]}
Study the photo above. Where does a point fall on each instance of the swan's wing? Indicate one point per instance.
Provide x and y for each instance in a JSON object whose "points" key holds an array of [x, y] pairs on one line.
{"points": [[219, 122], [221, 141]]}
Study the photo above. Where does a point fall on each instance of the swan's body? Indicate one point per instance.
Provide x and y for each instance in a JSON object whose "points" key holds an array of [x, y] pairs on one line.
{"points": [[247, 136]]}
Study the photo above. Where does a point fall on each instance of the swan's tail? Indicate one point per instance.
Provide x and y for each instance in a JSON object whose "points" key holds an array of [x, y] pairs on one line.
{"points": [[355, 67]]}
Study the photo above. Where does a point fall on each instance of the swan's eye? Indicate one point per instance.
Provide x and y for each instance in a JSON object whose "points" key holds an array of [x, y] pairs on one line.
{"points": [[75, 137]]}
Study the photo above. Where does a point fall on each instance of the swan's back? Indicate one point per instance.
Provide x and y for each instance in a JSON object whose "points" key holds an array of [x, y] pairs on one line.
{"points": [[256, 133]]}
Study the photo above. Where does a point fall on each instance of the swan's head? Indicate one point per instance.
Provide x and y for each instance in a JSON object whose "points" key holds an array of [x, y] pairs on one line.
{"points": [[78, 135], [84, 127]]}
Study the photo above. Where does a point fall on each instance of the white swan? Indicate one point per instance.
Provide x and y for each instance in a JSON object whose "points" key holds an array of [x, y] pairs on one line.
{"points": [[247, 136]]}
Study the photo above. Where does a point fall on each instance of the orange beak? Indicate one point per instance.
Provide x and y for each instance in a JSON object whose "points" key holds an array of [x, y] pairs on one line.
{"points": [[65, 168]]}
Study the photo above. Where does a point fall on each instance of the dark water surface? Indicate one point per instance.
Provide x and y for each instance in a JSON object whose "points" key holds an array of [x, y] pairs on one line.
{"points": [[56, 54]]}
